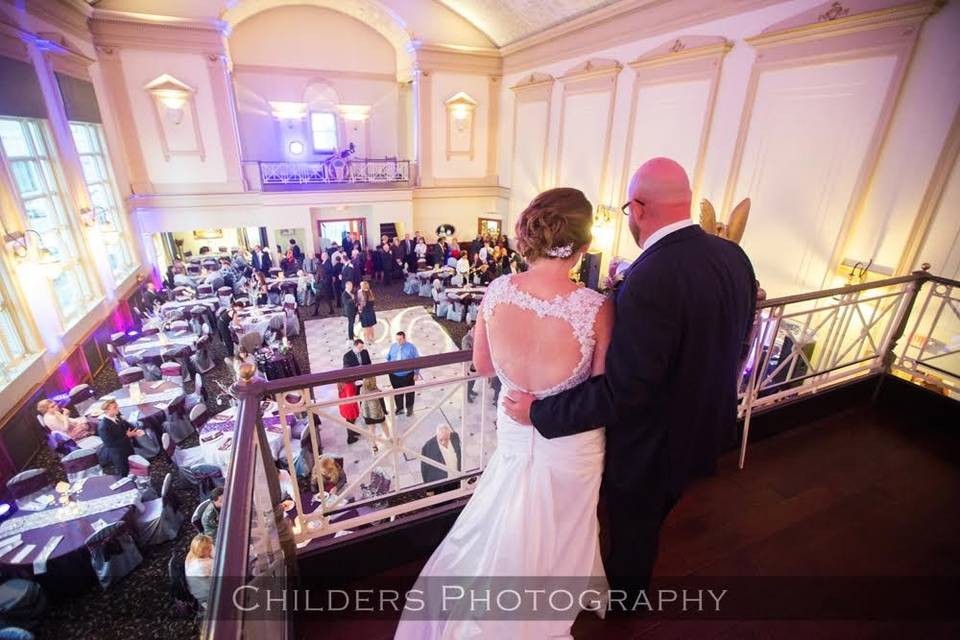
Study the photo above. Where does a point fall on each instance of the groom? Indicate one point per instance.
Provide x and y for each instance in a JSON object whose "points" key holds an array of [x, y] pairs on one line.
{"points": [[668, 398]]}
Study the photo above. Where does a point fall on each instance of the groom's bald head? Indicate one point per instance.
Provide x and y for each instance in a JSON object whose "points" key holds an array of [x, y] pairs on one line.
{"points": [[659, 194]]}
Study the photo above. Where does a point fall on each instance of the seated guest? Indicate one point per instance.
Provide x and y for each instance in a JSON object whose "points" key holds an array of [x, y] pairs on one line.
{"points": [[58, 419], [443, 448], [151, 299], [303, 463], [181, 279], [198, 568], [211, 515], [117, 435], [239, 360], [330, 475]]}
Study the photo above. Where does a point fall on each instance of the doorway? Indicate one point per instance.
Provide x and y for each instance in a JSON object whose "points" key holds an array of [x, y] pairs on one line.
{"points": [[330, 231]]}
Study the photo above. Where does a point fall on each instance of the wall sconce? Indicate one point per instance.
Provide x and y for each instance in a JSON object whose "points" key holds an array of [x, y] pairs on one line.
{"points": [[171, 96], [18, 244], [96, 217], [296, 147], [460, 109], [288, 112], [355, 113], [604, 215]]}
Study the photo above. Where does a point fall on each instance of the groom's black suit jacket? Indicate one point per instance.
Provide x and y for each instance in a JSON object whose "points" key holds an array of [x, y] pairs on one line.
{"points": [[668, 397]]}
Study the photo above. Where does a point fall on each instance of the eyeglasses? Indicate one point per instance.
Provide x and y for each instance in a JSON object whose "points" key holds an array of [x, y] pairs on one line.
{"points": [[626, 207]]}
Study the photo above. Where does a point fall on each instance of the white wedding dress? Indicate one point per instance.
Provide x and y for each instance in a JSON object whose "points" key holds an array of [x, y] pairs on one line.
{"points": [[533, 514]]}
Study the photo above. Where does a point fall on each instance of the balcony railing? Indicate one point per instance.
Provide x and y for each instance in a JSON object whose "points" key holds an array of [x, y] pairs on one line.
{"points": [[800, 346], [346, 171]]}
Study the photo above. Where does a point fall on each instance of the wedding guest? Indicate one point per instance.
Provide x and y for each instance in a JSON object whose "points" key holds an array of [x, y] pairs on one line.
{"points": [[261, 260], [369, 269], [466, 344], [421, 249], [224, 318], [436, 254], [463, 268], [365, 306], [444, 448], [58, 419], [331, 475], [151, 299], [397, 253], [386, 258], [211, 515], [349, 302], [324, 284], [374, 412], [337, 282], [295, 250], [117, 435], [377, 264], [198, 568], [403, 350]]}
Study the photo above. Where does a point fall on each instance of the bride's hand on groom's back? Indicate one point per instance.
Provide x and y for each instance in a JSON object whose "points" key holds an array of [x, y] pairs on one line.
{"points": [[517, 405]]}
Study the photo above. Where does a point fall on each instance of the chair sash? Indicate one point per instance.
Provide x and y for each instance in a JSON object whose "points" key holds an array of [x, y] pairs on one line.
{"points": [[139, 466], [130, 375], [27, 483], [79, 461], [113, 553]]}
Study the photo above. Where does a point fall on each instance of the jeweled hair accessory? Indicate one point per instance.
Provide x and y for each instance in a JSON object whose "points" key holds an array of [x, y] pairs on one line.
{"points": [[561, 252]]}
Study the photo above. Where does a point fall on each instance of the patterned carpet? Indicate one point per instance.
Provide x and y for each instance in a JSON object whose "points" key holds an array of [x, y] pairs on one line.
{"points": [[140, 606]]}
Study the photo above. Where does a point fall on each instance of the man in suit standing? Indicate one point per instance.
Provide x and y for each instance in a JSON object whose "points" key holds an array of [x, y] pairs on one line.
{"points": [[349, 274], [357, 262], [668, 398], [348, 243], [117, 435], [261, 260], [349, 302], [406, 247], [397, 253], [443, 448], [297, 251], [324, 279], [337, 282]]}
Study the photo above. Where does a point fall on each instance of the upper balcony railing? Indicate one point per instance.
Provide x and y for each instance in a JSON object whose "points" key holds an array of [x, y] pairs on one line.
{"points": [[799, 346], [338, 172]]}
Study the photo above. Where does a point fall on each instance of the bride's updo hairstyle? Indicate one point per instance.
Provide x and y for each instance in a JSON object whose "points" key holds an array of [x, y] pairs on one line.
{"points": [[555, 224]]}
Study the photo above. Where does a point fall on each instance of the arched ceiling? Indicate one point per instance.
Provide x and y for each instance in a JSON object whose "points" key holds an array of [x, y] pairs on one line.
{"points": [[506, 21], [473, 23]]}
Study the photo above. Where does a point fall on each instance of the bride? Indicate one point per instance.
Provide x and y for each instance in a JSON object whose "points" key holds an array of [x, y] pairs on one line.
{"points": [[531, 521]]}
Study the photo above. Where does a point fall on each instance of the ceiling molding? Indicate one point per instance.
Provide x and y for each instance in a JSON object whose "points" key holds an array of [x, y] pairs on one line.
{"points": [[534, 80], [592, 68], [616, 24], [472, 60], [844, 18], [683, 49], [125, 30], [69, 15]]}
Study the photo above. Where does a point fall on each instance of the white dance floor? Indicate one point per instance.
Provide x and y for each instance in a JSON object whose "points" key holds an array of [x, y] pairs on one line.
{"points": [[327, 342]]}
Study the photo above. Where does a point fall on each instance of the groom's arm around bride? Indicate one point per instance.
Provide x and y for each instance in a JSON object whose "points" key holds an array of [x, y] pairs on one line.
{"points": [[668, 395]]}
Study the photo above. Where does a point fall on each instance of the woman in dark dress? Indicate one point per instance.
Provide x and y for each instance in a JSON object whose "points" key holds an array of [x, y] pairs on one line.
{"points": [[368, 317]]}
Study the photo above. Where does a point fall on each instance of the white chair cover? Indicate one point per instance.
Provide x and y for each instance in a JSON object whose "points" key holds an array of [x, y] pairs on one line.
{"points": [[426, 291], [113, 554], [82, 463], [455, 312], [160, 520]]}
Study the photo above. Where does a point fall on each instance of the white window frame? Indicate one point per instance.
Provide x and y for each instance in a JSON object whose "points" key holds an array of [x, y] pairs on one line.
{"points": [[122, 250], [335, 131], [50, 179], [15, 352]]}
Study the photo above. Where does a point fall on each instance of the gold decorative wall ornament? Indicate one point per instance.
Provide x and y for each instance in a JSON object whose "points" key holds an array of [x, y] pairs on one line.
{"points": [[736, 223]]}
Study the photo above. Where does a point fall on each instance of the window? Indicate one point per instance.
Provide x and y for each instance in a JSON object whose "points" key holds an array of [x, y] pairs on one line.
{"points": [[27, 154], [13, 352], [324, 128], [103, 194]]}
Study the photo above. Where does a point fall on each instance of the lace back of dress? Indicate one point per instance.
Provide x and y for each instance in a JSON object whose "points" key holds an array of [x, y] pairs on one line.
{"points": [[578, 308]]}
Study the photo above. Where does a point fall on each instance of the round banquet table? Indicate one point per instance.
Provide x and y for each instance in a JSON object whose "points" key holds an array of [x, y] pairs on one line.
{"points": [[70, 558], [444, 274], [256, 319], [216, 436], [150, 407], [466, 296], [153, 346], [167, 308]]}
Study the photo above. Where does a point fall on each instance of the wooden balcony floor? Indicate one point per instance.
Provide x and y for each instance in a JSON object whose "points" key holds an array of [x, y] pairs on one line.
{"points": [[866, 491]]}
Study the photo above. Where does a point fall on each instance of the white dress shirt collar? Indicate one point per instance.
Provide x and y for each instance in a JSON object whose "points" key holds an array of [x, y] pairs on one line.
{"points": [[666, 230]]}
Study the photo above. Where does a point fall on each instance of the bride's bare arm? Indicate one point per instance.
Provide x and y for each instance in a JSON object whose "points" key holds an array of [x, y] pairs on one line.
{"points": [[603, 330], [482, 361]]}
